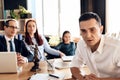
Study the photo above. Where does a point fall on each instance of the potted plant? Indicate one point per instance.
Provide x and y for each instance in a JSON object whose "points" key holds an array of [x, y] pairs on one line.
{"points": [[13, 15], [24, 13]]}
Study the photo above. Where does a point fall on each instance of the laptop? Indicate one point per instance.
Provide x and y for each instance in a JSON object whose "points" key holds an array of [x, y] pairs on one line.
{"points": [[8, 62]]}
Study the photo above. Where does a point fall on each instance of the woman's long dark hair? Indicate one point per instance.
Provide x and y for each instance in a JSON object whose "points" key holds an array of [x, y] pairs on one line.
{"points": [[28, 39]]}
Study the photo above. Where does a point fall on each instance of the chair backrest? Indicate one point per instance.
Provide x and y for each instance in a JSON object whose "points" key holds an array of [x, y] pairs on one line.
{"points": [[19, 37]]}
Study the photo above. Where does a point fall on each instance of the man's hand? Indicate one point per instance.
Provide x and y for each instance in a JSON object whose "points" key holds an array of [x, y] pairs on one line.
{"points": [[91, 77], [21, 59], [76, 74]]}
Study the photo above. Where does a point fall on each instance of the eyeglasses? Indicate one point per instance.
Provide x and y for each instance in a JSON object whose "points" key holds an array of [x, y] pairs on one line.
{"points": [[13, 27]]}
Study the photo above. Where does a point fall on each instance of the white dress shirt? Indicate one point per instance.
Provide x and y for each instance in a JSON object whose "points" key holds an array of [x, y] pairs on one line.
{"points": [[104, 62], [44, 47], [13, 44], [8, 44]]}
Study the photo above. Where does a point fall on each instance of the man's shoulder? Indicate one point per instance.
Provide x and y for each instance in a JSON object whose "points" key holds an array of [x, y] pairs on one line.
{"points": [[112, 40], [18, 41], [81, 44], [1, 37]]}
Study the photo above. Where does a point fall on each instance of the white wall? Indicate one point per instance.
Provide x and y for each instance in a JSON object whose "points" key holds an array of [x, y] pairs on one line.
{"points": [[113, 16]]}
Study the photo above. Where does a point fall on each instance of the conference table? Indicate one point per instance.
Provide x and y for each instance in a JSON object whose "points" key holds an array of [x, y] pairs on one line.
{"points": [[25, 73]]}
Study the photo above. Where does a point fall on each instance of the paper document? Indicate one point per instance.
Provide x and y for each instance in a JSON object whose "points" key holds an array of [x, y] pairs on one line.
{"points": [[59, 64], [67, 58], [40, 76]]}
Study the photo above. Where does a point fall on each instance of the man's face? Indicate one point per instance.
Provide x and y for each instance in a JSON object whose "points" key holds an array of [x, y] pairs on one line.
{"points": [[91, 32], [11, 29]]}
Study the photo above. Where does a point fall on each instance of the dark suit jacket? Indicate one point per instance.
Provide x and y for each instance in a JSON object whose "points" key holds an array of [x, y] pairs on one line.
{"points": [[19, 46]]}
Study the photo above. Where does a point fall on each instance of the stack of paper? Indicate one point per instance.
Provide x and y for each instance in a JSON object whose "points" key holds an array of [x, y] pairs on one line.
{"points": [[67, 58], [59, 64], [39, 76]]}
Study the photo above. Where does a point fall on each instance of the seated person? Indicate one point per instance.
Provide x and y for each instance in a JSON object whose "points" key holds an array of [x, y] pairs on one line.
{"points": [[32, 37], [66, 46], [100, 53], [18, 46]]}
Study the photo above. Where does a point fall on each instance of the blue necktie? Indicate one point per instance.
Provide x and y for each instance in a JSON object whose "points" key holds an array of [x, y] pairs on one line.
{"points": [[11, 46]]}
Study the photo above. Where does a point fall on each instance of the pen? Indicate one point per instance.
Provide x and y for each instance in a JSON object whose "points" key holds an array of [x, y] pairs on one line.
{"points": [[53, 76], [49, 64]]}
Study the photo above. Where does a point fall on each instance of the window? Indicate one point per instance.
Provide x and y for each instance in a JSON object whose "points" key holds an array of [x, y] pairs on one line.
{"points": [[113, 16], [56, 16]]}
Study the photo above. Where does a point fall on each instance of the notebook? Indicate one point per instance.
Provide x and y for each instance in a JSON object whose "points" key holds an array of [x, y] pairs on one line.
{"points": [[67, 58], [8, 62], [59, 64], [45, 76]]}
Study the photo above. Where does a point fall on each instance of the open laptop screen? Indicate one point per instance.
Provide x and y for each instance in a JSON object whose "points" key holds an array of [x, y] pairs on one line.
{"points": [[8, 62]]}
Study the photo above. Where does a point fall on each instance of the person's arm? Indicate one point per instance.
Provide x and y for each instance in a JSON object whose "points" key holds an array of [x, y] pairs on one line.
{"points": [[50, 50], [94, 77], [77, 61], [109, 78], [76, 73], [25, 52], [21, 59], [77, 76], [58, 47]]}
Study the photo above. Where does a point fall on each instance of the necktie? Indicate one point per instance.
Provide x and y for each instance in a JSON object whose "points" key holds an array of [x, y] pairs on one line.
{"points": [[11, 46]]}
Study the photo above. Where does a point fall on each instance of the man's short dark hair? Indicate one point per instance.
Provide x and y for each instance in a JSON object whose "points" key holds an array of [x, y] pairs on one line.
{"points": [[90, 15], [7, 22]]}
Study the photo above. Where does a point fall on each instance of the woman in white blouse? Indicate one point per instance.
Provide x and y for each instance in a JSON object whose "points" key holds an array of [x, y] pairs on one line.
{"points": [[32, 38]]}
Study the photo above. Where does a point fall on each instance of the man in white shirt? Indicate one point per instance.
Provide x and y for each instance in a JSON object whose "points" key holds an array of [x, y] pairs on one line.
{"points": [[100, 53], [18, 46]]}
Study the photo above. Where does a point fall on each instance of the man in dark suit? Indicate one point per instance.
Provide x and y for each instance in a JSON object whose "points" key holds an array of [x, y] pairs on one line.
{"points": [[18, 46]]}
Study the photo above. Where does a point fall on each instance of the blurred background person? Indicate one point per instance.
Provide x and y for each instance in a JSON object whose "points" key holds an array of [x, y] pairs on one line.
{"points": [[32, 37], [66, 46], [8, 42], [97, 53]]}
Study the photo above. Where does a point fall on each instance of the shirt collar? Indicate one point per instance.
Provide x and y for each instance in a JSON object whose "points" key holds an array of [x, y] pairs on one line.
{"points": [[100, 47], [8, 39]]}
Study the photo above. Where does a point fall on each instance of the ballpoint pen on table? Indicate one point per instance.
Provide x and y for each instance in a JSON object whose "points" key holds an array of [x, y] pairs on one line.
{"points": [[52, 75]]}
